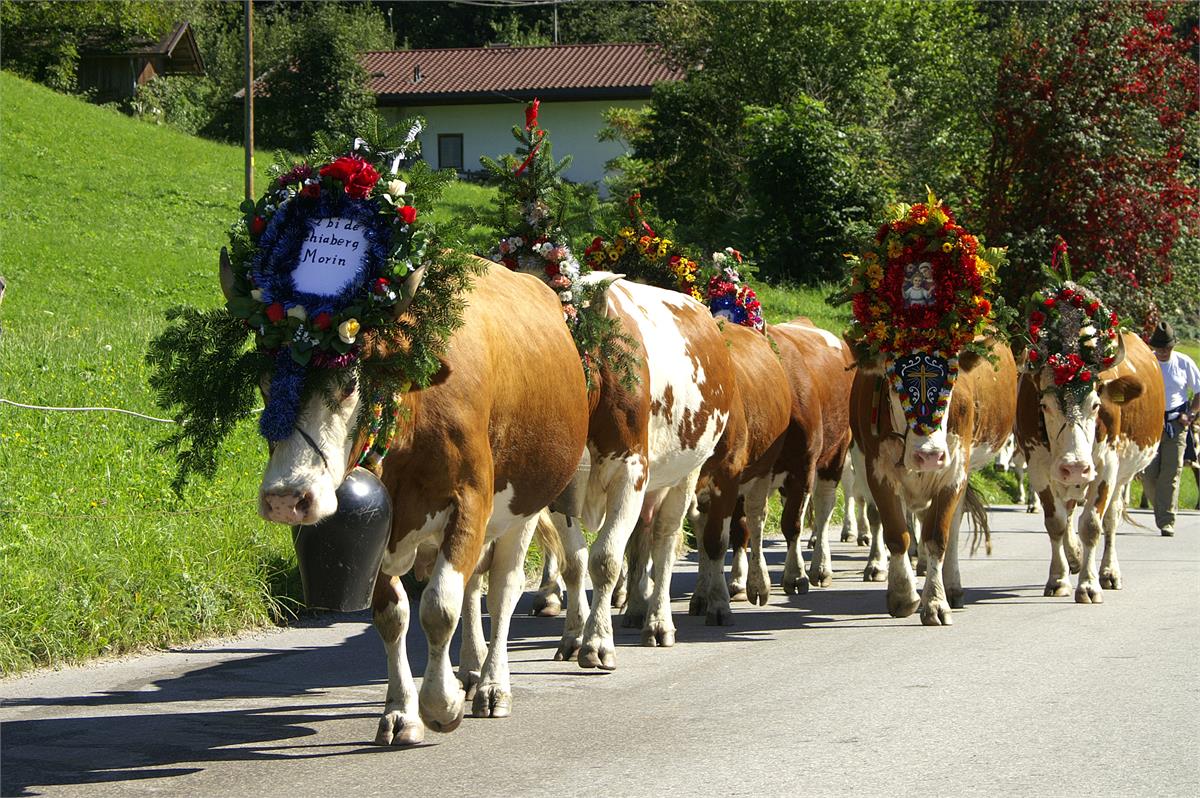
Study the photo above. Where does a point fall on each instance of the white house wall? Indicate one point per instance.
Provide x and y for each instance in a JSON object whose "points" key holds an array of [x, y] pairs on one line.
{"points": [[487, 130]]}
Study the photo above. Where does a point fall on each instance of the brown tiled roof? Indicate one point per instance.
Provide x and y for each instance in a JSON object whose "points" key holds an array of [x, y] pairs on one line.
{"points": [[599, 70]]}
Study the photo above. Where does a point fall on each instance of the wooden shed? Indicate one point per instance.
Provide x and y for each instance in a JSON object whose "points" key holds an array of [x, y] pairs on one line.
{"points": [[113, 71]]}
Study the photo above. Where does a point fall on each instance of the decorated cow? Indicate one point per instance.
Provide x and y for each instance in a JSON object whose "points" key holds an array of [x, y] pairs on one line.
{"points": [[1089, 416], [466, 397], [934, 396]]}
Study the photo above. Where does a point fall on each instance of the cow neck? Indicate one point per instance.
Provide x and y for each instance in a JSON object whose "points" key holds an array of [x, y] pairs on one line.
{"points": [[370, 449]]}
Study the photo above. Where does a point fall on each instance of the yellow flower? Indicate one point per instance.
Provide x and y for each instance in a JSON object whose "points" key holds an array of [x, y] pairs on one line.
{"points": [[871, 257], [947, 246], [983, 267], [874, 274], [626, 232], [666, 242], [662, 250], [894, 248], [879, 331], [348, 330], [613, 254]]}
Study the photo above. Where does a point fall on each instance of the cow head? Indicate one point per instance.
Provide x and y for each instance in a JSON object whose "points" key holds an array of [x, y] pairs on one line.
{"points": [[1069, 413], [922, 385], [308, 462]]}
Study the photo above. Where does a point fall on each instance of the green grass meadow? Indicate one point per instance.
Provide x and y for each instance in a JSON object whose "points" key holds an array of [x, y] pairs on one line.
{"points": [[107, 222]]}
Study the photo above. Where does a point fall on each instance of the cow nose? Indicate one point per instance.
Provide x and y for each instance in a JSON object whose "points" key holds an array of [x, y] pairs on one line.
{"points": [[929, 460], [287, 507], [1074, 473]]}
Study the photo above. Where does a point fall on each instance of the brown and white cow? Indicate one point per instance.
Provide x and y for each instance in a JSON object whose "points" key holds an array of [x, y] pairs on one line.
{"points": [[494, 440], [1083, 456], [927, 474], [737, 481], [647, 446]]}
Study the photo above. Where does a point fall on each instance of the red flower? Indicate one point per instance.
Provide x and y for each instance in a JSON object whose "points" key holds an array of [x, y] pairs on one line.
{"points": [[322, 321], [1112, 318], [510, 262], [1085, 375], [1033, 355], [358, 176], [381, 285], [1037, 317], [551, 269], [1093, 307], [408, 214], [361, 184], [257, 225], [1077, 300], [1034, 331], [531, 112], [311, 191], [275, 313], [985, 307], [1050, 302]]}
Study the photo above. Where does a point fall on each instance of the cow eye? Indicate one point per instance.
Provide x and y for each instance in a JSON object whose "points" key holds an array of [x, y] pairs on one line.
{"points": [[348, 389]]}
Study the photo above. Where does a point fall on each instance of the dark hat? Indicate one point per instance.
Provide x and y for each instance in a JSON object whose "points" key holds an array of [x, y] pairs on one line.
{"points": [[1163, 335]]}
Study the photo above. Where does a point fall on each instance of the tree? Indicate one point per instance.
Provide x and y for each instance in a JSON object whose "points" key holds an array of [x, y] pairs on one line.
{"points": [[1095, 124]]}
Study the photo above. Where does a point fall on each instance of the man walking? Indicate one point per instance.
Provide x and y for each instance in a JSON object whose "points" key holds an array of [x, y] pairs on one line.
{"points": [[1180, 375]]}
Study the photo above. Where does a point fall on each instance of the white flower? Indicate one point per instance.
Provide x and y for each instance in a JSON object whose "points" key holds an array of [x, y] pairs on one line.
{"points": [[1087, 332], [256, 294], [718, 258], [298, 312], [564, 296], [348, 330], [397, 188]]}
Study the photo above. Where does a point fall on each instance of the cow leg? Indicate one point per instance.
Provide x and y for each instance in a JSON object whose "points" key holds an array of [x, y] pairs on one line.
{"points": [[1095, 507], [739, 541], [506, 582], [637, 580], [604, 564], [849, 517], [914, 545], [941, 516], [401, 723], [1110, 569], [573, 567], [473, 650], [758, 579], [547, 603], [659, 628], [795, 502], [716, 543], [902, 598], [875, 570], [1057, 521], [951, 575], [820, 569]]}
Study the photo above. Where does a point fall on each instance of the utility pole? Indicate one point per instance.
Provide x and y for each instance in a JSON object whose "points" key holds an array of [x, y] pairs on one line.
{"points": [[556, 21], [249, 5]]}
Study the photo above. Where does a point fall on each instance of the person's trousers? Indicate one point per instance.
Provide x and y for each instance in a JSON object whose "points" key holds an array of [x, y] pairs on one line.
{"points": [[1160, 480]]}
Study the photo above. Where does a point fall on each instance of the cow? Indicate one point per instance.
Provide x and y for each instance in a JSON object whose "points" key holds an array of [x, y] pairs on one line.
{"points": [[737, 481], [927, 473], [646, 446], [856, 493], [494, 439], [819, 374], [1011, 458], [1082, 457]]}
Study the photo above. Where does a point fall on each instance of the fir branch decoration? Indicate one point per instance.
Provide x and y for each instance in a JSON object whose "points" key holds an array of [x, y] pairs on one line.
{"points": [[533, 206]]}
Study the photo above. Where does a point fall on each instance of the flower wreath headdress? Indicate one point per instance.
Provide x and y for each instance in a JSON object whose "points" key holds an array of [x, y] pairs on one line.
{"points": [[728, 297], [641, 254], [1070, 331], [322, 272], [921, 293]]}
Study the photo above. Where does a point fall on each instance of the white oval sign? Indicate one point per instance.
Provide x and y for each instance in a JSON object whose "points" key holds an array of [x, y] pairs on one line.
{"points": [[332, 256]]}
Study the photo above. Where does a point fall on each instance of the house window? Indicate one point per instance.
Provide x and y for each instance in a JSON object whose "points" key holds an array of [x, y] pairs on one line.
{"points": [[450, 152]]}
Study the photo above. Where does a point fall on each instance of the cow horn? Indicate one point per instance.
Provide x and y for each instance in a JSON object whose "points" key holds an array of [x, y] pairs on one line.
{"points": [[408, 288], [1120, 355], [226, 275]]}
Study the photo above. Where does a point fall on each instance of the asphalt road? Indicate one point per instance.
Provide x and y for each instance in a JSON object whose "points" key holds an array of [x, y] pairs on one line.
{"points": [[822, 694]]}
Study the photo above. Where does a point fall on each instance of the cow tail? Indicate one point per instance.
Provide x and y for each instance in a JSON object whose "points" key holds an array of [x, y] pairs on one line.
{"points": [[547, 536], [981, 531]]}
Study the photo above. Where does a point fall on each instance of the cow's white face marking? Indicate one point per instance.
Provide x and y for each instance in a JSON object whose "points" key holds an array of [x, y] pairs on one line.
{"points": [[923, 453], [1071, 431], [298, 486]]}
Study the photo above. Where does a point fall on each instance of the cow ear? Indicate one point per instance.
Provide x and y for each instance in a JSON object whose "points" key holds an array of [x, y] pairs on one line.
{"points": [[1121, 390], [226, 275], [967, 361]]}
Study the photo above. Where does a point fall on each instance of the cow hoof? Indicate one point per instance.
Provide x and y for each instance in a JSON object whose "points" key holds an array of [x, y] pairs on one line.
{"points": [[1088, 594], [937, 614], [1029, 508], [956, 598], [820, 577], [812, 541], [737, 595], [758, 595], [902, 606], [920, 570], [450, 724], [603, 658], [698, 605], [658, 634], [568, 649], [1056, 588], [491, 702], [469, 681], [795, 585], [618, 598], [633, 619], [864, 540], [846, 535], [1110, 580], [718, 616], [874, 573], [546, 605], [395, 729]]}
